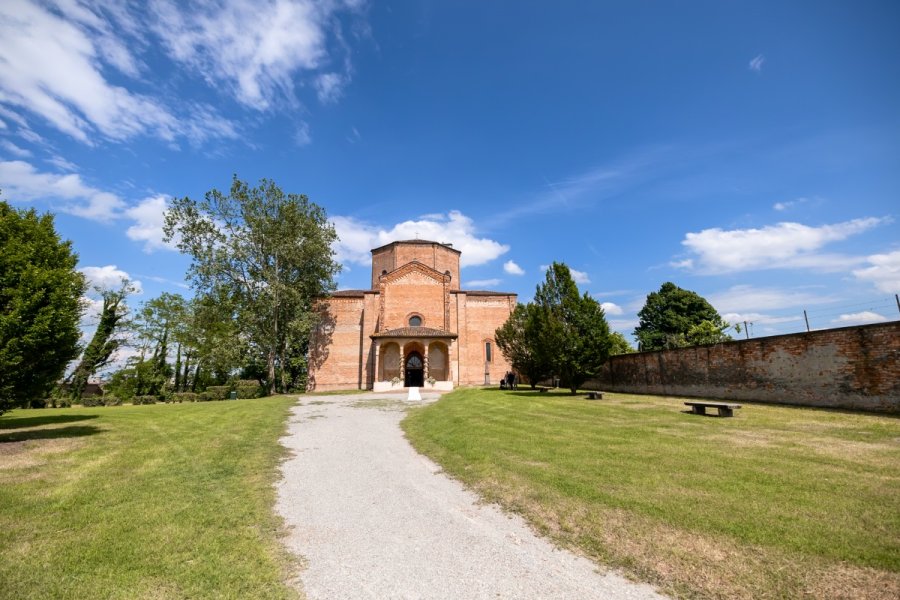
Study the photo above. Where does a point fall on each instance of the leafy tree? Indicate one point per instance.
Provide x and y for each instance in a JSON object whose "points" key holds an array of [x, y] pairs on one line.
{"points": [[619, 345], [571, 334], [268, 253], [40, 305], [516, 338], [104, 342], [668, 316], [707, 332]]}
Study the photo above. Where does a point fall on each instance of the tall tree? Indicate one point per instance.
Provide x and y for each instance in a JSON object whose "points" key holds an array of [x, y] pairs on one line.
{"points": [[572, 334], [669, 315], [268, 251], [619, 345], [40, 305], [517, 339], [105, 340]]}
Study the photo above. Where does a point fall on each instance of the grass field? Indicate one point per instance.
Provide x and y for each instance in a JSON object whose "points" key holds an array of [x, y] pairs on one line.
{"points": [[161, 501], [777, 502]]}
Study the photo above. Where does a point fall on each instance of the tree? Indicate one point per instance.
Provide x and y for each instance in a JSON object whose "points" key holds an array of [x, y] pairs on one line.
{"points": [[269, 253], [40, 305], [571, 334], [669, 315], [707, 332], [516, 338], [619, 345], [104, 342]]}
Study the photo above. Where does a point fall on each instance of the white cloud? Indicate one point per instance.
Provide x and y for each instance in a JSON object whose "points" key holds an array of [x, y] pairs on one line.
{"points": [[884, 272], [579, 276], [149, 218], [757, 62], [109, 277], [611, 308], [358, 238], [15, 150], [784, 245], [52, 64], [482, 283], [746, 299], [512, 268], [866, 316], [21, 181]]}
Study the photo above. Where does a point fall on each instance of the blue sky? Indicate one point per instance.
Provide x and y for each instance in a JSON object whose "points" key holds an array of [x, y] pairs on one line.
{"points": [[749, 151]]}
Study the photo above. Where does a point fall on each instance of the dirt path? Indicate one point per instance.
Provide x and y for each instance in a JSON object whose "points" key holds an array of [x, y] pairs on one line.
{"points": [[374, 519]]}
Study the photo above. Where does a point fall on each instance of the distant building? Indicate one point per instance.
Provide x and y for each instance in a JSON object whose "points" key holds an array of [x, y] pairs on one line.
{"points": [[414, 325]]}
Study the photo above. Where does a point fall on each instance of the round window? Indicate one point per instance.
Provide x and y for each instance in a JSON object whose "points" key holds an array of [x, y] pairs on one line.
{"points": [[415, 321]]}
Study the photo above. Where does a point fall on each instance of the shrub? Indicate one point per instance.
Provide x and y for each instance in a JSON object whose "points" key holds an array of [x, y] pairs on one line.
{"points": [[249, 389], [91, 401], [207, 396], [219, 392], [184, 397], [111, 401], [144, 400]]}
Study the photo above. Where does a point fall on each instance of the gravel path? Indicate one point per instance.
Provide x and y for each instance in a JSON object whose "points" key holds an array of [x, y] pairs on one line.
{"points": [[374, 519]]}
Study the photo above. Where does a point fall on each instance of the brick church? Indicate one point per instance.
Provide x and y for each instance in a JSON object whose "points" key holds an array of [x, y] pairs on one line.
{"points": [[414, 327]]}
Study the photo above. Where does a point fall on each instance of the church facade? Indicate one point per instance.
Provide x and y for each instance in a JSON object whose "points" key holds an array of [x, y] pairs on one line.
{"points": [[415, 326]]}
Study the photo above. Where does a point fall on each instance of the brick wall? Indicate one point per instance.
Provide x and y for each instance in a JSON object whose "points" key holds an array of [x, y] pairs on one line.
{"points": [[850, 367]]}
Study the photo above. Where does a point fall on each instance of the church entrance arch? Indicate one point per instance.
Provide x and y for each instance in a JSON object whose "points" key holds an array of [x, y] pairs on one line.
{"points": [[414, 370]]}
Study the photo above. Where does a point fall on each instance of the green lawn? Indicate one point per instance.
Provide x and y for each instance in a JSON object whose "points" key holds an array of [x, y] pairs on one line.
{"points": [[776, 502], [162, 501]]}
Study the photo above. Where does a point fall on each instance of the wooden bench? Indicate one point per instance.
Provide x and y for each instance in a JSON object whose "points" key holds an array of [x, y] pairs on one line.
{"points": [[725, 409], [594, 395]]}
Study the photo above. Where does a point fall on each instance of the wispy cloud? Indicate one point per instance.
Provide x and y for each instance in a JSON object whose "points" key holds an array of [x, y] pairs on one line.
{"points": [[784, 245], [783, 206], [482, 283], [78, 65], [512, 268], [747, 299], [859, 318], [757, 62], [357, 238], [17, 151], [148, 216]]}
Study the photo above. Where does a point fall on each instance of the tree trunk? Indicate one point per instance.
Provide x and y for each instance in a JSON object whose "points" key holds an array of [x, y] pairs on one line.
{"points": [[271, 363], [178, 369]]}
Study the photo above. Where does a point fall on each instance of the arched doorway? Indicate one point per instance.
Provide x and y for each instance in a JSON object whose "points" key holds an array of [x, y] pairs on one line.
{"points": [[414, 371]]}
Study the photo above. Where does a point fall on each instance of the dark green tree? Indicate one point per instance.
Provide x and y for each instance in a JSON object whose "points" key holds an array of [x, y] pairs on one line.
{"points": [[105, 340], [571, 333], [669, 315], [517, 339], [40, 306], [269, 252]]}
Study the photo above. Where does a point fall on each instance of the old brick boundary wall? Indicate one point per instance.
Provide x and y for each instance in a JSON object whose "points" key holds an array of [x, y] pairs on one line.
{"points": [[850, 367]]}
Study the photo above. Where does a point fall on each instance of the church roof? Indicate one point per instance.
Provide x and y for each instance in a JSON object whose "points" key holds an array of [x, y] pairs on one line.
{"points": [[414, 332], [349, 293], [482, 293], [420, 242]]}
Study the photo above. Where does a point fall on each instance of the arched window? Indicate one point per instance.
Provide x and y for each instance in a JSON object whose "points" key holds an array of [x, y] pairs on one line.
{"points": [[488, 352], [415, 321]]}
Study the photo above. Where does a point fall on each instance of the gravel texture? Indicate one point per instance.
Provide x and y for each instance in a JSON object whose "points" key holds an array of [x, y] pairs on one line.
{"points": [[372, 518]]}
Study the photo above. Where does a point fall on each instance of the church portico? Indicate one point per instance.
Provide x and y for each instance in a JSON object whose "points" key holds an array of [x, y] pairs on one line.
{"points": [[414, 328]]}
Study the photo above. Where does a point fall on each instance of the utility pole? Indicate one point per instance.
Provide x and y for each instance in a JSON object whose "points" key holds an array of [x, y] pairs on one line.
{"points": [[746, 330], [897, 298], [805, 318]]}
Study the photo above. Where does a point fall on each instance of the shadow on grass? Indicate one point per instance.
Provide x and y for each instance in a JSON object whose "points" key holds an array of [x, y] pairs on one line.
{"points": [[21, 423], [50, 434]]}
